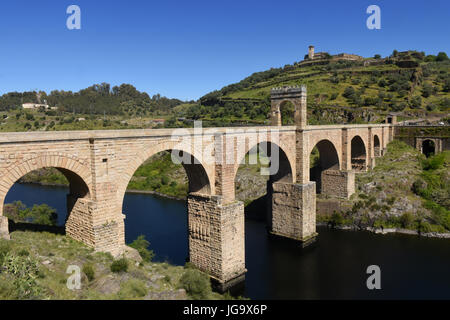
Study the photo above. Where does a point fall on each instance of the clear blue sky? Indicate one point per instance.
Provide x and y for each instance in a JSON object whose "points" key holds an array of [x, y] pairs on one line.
{"points": [[185, 49]]}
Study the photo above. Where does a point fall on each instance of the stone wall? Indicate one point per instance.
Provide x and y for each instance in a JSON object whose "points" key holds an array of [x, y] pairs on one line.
{"points": [[79, 223], [328, 206], [338, 183], [4, 230]]}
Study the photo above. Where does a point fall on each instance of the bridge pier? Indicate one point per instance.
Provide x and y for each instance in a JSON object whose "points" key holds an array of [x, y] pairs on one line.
{"points": [[84, 224], [217, 239], [4, 230], [294, 211], [338, 183]]}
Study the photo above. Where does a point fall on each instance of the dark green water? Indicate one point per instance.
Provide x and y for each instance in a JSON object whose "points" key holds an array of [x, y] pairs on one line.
{"points": [[334, 268]]}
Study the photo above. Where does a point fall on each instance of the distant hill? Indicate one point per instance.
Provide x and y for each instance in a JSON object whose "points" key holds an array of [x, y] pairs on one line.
{"points": [[123, 100], [341, 89]]}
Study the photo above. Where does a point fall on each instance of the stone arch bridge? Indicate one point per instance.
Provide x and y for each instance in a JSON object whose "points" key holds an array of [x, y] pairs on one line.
{"points": [[100, 164]]}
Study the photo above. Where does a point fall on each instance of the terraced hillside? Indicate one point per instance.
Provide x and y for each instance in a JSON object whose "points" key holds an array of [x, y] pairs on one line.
{"points": [[339, 91]]}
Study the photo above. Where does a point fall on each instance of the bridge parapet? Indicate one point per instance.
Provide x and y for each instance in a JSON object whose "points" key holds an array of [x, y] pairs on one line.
{"points": [[288, 92]]}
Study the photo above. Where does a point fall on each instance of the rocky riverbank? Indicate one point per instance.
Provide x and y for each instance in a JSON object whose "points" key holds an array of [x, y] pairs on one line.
{"points": [[34, 265], [387, 230], [405, 191]]}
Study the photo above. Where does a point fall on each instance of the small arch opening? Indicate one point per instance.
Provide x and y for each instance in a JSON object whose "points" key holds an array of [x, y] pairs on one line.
{"points": [[428, 148], [376, 146], [323, 158], [358, 154], [287, 111]]}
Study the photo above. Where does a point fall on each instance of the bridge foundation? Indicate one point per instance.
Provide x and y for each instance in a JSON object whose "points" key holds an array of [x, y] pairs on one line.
{"points": [[217, 239], [338, 183], [83, 224], [4, 230], [294, 211]]}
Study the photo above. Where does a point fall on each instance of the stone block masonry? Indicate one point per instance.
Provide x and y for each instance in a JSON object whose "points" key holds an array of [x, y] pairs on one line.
{"points": [[4, 230], [338, 183], [217, 238], [294, 211]]}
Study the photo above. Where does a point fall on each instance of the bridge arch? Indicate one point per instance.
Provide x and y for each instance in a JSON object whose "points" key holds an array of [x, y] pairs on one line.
{"points": [[79, 197], [376, 146], [200, 175], [261, 198], [428, 147], [286, 162], [328, 159], [78, 174], [358, 154], [287, 110]]}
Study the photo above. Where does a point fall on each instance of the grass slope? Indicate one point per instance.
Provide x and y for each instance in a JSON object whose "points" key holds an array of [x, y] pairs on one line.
{"points": [[33, 265]]}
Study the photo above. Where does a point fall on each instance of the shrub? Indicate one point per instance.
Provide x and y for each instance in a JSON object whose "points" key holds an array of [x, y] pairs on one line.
{"points": [[120, 265], [424, 227], [416, 102], [164, 180], [442, 56], [4, 249], [23, 253], [382, 83], [406, 219], [418, 186], [88, 270], [196, 284], [42, 214], [391, 200], [25, 271], [348, 92], [132, 288], [336, 219], [434, 162], [141, 245]]}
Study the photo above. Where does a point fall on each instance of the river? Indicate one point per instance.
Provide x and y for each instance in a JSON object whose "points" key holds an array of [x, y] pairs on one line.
{"points": [[333, 268]]}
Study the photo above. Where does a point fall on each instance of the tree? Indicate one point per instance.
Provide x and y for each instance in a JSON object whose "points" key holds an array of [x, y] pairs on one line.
{"points": [[377, 56], [416, 102], [348, 92], [395, 53], [428, 90], [141, 245], [442, 56], [382, 83], [446, 87]]}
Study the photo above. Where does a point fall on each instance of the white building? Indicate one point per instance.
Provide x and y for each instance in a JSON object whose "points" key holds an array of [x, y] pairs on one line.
{"points": [[34, 106]]}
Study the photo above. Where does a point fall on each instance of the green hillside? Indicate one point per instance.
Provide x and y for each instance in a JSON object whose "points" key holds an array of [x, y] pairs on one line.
{"points": [[339, 91]]}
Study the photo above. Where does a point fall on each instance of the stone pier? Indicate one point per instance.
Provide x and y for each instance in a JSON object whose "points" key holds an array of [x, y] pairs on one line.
{"points": [[217, 239], [294, 211], [338, 183]]}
